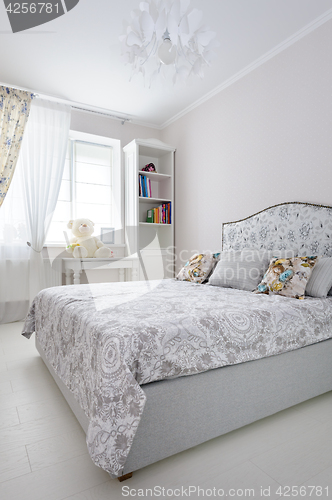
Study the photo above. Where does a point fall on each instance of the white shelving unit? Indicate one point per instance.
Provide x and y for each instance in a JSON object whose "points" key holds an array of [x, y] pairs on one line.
{"points": [[153, 243]]}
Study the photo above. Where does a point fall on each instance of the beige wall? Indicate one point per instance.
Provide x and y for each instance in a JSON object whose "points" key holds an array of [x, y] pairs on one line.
{"points": [[264, 140], [91, 123]]}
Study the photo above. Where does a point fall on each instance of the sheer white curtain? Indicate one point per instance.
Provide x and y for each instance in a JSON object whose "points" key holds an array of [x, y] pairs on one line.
{"points": [[30, 206], [43, 156], [14, 254]]}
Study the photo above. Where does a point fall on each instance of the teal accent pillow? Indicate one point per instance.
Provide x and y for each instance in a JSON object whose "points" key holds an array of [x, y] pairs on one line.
{"points": [[287, 277], [199, 267]]}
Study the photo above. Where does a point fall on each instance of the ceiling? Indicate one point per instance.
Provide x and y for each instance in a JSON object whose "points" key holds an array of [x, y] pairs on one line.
{"points": [[77, 56]]}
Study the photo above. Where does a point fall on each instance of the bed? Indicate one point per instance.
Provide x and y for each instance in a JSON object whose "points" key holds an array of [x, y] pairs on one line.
{"points": [[186, 387]]}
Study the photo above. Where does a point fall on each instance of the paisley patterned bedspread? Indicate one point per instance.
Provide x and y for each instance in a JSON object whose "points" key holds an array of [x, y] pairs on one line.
{"points": [[106, 340]]}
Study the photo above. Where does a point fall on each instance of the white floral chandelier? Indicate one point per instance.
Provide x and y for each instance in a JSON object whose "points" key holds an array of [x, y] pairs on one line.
{"points": [[165, 34]]}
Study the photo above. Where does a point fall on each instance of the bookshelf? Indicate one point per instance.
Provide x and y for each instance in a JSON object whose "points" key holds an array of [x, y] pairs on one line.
{"points": [[152, 242], [154, 200]]}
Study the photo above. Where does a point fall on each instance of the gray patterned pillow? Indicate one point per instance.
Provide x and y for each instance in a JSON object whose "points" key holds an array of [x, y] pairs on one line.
{"points": [[242, 269]]}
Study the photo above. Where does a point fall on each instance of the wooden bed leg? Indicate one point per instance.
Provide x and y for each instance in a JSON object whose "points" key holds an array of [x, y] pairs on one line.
{"points": [[126, 476]]}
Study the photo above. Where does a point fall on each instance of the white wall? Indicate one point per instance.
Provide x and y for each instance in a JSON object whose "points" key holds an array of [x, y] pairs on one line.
{"points": [[264, 140]]}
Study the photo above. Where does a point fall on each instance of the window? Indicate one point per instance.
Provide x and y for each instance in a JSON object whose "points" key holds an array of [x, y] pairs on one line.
{"points": [[90, 188]]}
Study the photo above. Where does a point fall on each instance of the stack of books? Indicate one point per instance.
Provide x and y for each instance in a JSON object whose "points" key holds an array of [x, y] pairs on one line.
{"points": [[144, 186], [161, 214]]}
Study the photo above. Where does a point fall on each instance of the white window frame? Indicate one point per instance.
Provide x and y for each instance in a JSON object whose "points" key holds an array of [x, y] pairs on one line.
{"points": [[117, 181]]}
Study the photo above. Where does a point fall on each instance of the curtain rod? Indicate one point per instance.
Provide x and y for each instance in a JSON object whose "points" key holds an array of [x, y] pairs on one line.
{"points": [[74, 105], [103, 113]]}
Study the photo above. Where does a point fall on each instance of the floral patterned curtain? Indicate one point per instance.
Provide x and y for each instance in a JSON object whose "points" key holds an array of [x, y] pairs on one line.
{"points": [[14, 113]]}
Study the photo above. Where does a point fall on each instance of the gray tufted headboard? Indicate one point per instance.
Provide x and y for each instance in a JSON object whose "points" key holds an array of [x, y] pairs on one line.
{"points": [[301, 227]]}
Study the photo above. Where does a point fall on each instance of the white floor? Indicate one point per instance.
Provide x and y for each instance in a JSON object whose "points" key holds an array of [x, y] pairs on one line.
{"points": [[43, 455]]}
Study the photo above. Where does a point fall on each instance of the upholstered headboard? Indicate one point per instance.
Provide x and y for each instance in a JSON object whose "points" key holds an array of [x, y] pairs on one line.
{"points": [[297, 226]]}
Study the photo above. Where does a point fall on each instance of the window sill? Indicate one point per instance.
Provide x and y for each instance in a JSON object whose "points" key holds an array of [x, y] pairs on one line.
{"points": [[63, 245]]}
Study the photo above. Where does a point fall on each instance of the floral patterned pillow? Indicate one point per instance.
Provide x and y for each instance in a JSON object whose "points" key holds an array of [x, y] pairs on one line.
{"points": [[287, 277], [199, 267]]}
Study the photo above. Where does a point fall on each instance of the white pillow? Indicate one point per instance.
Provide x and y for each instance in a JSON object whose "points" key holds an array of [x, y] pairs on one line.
{"points": [[320, 281]]}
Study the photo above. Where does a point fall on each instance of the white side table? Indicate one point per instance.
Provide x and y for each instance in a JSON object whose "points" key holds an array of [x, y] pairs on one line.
{"points": [[74, 267]]}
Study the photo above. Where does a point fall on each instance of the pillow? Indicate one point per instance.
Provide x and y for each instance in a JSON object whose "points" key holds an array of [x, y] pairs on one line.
{"points": [[199, 267], [287, 277], [320, 281], [240, 269]]}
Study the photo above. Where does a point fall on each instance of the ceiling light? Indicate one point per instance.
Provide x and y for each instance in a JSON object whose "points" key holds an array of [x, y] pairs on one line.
{"points": [[167, 33], [167, 51]]}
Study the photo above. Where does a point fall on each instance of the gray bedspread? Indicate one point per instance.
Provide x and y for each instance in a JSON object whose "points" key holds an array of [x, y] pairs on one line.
{"points": [[105, 341]]}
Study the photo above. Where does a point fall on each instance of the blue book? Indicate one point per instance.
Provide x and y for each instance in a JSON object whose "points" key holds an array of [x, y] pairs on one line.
{"points": [[146, 187], [143, 186], [140, 186]]}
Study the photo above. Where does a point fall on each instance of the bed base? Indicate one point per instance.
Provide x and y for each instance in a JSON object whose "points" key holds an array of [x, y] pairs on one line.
{"points": [[213, 403]]}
